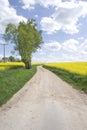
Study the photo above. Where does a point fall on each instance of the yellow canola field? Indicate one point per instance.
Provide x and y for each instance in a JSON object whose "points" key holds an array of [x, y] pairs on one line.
{"points": [[77, 67], [7, 65]]}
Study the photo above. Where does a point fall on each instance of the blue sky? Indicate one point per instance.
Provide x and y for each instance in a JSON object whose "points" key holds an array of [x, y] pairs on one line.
{"points": [[63, 24]]}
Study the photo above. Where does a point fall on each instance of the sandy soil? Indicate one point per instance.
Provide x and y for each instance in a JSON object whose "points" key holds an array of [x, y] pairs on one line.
{"points": [[45, 103]]}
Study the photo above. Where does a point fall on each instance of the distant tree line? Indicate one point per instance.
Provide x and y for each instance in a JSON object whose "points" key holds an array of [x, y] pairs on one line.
{"points": [[10, 59]]}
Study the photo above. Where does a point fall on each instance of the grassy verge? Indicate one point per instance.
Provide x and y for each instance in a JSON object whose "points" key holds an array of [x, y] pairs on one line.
{"points": [[12, 80], [76, 80]]}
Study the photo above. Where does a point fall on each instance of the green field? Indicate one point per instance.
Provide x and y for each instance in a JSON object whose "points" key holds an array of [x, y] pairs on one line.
{"points": [[13, 79]]}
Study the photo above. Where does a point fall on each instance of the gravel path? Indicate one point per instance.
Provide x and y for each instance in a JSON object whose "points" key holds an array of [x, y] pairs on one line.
{"points": [[45, 103]]}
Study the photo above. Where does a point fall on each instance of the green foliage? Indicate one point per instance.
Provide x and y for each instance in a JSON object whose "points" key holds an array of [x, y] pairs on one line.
{"points": [[76, 80], [12, 59], [10, 32], [12, 80], [27, 39]]}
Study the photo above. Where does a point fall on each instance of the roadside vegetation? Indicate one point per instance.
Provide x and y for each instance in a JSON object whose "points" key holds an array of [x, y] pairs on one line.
{"points": [[13, 76], [77, 80]]}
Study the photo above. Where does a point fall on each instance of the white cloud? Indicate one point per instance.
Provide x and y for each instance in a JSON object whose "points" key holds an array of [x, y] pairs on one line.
{"points": [[65, 18], [40, 51], [70, 45], [81, 38], [76, 50], [68, 57], [46, 58], [49, 25], [73, 50], [83, 48], [75, 46], [53, 46], [72, 57], [30, 4], [8, 14]]}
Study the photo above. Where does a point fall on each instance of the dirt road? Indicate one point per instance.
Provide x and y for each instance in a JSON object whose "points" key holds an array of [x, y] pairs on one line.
{"points": [[45, 103]]}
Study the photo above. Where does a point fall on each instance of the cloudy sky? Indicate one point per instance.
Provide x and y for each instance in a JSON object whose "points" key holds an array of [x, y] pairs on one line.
{"points": [[63, 24]]}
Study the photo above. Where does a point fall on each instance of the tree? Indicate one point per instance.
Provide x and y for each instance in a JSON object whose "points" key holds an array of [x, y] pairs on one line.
{"points": [[26, 37], [11, 59]]}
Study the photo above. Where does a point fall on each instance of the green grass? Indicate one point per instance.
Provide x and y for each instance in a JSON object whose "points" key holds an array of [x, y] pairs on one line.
{"points": [[76, 80], [12, 80]]}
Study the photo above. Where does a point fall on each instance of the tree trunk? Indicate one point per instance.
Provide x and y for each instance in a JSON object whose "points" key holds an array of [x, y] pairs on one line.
{"points": [[28, 65]]}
